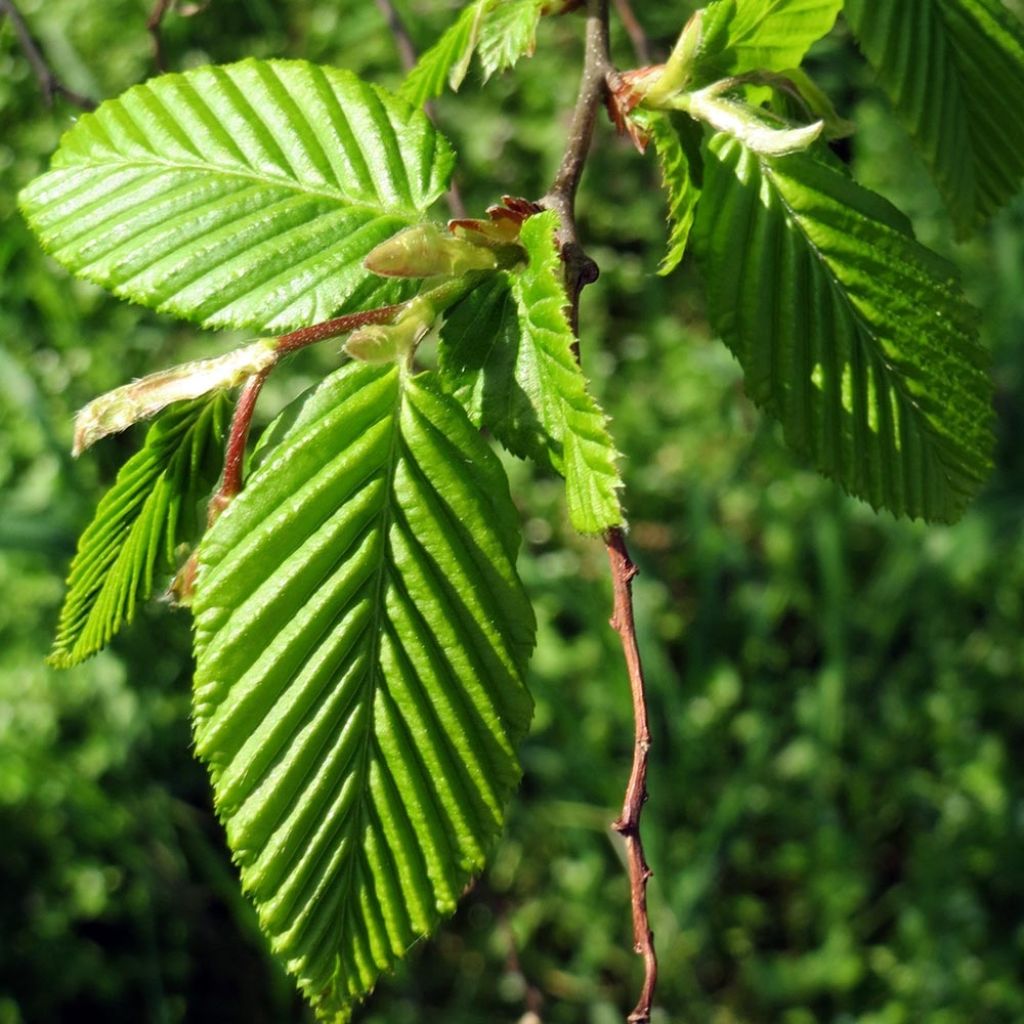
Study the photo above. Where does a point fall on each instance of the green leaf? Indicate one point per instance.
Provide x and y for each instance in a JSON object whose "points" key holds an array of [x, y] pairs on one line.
{"points": [[680, 180], [138, 525], [954, 70], [509, 32], [246, 195], [508, 353], [499, 31], [447, 61], [361, 640], [851, 333], [761, 35]]}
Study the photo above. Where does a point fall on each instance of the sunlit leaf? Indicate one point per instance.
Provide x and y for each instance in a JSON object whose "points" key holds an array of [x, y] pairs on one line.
{"points": [[246, 195], [761, 35], [361, 639]]}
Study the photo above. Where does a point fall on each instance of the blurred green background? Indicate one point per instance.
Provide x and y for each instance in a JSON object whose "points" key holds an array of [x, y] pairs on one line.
{"points": [[837, 812]]}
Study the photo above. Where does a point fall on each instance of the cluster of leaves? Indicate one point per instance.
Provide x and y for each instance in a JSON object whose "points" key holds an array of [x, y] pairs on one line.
{"points": [[361, 633]]}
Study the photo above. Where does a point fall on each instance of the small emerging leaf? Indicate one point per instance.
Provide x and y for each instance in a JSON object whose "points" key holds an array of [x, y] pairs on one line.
{"points": [[119, 409], [499, 31], [679, 179], [447, 61], [361, 642], [138, 525], [747, 123], [427, 250], [508, 352], [509, 32]]}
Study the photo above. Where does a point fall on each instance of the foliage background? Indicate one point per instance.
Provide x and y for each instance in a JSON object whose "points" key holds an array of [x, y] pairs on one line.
{"points": [[837, 811]]}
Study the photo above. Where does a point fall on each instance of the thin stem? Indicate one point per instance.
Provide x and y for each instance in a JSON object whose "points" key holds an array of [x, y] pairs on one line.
{"points": [[49, 83], [328, 329], [635, 31], [154, 26], [580, 270], [238, 438], [628, 823], [403, 41], [241, 420]]}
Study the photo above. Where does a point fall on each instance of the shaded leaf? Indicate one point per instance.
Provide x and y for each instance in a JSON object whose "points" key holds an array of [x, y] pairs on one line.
{"points": [[679, 178], [140, 521], [246, 195], [851, 333], [954, 70], [361, 639]]}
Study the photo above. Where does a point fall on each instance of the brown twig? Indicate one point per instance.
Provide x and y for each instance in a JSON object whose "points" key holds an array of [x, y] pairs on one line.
{"points": [[628, 823], [49, 83], [580, 270], [154, 26], [407, 57], [635, 31], [532, 996]]}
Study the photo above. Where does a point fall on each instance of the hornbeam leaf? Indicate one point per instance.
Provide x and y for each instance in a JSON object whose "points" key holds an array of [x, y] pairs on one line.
{"points": [[500, 32], [680, 181], [508, 32], [761, 35], [361, 640], [447, 61], [245, 195], [508, 353], [138, 525], [954, 70], [851, 333]]}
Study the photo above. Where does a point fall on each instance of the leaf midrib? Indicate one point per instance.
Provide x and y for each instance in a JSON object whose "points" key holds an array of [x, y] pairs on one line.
{"points": [[272, 181], [375, 624]]}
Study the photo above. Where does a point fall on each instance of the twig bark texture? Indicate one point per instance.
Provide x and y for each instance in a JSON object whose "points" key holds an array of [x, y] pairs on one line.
{"points": [[580, 270]]}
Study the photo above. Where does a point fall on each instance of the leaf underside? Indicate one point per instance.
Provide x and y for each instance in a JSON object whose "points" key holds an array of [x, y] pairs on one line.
{"points": [[361, 639], [245, 195], [138, 524], [852, 334], [507, 352], [954, 70]]}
